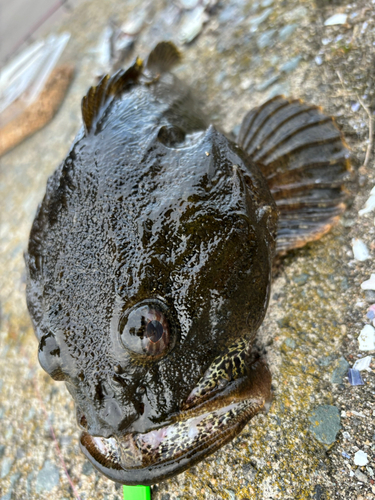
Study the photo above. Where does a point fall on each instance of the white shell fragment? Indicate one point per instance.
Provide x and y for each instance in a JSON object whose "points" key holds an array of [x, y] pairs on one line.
{"points": [[366, 339], [363, 364], [336, 19], [369, 284], [360, 458], [193, 24], [360, 250], [370, 203]]}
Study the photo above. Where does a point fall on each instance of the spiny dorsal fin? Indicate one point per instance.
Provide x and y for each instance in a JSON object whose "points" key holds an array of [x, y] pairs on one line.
{"points": [[163, 57], [97, 99]]}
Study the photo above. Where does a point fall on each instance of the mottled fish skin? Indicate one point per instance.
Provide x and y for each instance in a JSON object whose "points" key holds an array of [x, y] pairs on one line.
{"points": [[149, 270]]}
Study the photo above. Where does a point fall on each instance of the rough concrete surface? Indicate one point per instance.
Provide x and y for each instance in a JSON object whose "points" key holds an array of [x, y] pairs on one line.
{"points": [[246, 52]]}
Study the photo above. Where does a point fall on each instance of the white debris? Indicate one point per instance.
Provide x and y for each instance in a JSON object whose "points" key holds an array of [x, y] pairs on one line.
{"points": [[363, 364], [370, 203], [369, 284], [360, 458], [189, 4], [360, 250], [25, 76], [366, 339], [360, 304], [256, 21], [358, 414], [336, 19], [193, 24]]}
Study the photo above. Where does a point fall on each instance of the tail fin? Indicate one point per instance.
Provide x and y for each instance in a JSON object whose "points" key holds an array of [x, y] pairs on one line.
{"points": [[303, 156]]}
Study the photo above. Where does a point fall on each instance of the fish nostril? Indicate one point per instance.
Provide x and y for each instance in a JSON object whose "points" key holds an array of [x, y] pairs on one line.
{"points": [[81, 419], [141, 389], [83, 422], [114, 417], [141, 408]]}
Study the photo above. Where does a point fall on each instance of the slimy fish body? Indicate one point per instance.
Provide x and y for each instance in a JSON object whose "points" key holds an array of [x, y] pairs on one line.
{"points": [[150, 257]]}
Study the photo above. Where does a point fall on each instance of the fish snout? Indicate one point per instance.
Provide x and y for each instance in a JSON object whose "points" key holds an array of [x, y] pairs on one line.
{"points": [[110, 420]]}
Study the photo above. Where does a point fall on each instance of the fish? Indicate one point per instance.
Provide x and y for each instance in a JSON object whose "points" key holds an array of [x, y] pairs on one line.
{"points": [[149, 263]]}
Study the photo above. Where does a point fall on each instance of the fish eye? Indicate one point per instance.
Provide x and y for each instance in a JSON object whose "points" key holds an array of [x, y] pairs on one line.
{"points": [[145, 329]]}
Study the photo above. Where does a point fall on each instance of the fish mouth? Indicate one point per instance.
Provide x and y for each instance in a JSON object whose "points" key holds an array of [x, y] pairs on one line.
{"points": [[150, 457]]}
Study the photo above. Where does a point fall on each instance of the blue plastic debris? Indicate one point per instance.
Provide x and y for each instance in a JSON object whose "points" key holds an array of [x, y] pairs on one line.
{"points": [[354, 377], [344, 454], [370, 314]]}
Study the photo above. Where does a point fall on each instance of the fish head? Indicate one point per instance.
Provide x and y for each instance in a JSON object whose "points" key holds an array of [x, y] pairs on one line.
{"points": [[147, 280]]}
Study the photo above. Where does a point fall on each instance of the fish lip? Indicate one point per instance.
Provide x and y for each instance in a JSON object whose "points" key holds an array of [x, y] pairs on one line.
{"points": [[155, 472], [148, 465]]}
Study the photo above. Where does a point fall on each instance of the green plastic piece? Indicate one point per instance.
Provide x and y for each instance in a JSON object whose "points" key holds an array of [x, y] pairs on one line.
{"points": [[137, 492]]}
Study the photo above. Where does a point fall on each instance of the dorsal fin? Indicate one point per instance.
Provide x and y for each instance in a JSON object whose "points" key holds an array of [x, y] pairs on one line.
{"points": [[97, 99], [163, 57]]}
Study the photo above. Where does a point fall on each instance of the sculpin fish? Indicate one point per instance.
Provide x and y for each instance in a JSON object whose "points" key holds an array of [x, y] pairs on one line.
{"points": [[150, 258]]}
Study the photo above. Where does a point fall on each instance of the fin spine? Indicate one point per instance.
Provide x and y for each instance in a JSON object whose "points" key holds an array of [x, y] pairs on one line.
{"points": [[248, 138], [98, 98], [261, 157], [278, 127]]}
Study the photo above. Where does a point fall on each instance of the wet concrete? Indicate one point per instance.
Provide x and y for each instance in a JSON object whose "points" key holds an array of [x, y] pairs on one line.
{"points": [[245, 53]]}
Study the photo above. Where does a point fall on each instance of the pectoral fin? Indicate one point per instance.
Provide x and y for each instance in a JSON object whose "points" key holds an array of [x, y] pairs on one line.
{"points": [[304, 158]]}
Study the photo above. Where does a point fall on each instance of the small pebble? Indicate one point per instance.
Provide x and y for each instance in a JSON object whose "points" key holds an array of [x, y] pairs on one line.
{"points": [[358, 414], [286, 31], [266, 39], [318, 60], [325, 423], [355, 107], [193, 24], [354, 377], [370, 296], [363, 364], [48, 477], [87, 468], [369, 284], [360, 476], [279, 89], [6, 465], [336, 19], [189, 4], [360, 458], [231, 494], [360, 250], [290, 65], [256, 21], [267, 83], [366, 338], [340, 371], [301, 279], [370, 203], [291, 343], [296, 14]]}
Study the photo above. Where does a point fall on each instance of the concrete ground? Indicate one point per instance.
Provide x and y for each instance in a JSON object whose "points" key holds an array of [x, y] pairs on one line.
{"points": [[246, 52]]}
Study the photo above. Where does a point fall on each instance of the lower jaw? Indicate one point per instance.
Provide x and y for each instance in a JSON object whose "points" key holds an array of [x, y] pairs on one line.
{"points": [[157, 455]]}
